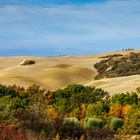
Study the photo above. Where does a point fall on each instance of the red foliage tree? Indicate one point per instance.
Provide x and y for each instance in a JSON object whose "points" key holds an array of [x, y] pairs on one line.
{"points": [[10, 133]]}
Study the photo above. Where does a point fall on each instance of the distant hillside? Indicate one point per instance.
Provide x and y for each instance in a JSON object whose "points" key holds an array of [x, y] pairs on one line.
{"points": [[58, 72], [118, 65]]}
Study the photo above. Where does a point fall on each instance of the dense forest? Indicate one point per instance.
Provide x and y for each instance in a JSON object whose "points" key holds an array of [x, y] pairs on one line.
{"points": [[76, 112], [118, 65]]}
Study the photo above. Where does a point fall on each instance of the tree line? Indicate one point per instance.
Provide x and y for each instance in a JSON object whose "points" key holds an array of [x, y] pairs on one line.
{"points": [[75, 112]]}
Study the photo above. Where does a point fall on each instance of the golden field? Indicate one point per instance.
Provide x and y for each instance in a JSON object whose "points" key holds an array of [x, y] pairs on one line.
{"points": [[58, 72]]}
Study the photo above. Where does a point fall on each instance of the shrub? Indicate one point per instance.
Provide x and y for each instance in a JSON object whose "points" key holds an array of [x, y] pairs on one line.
{"points": [[72, 121], [71, 128], [116, 123], [4, 91], [93, 122]]}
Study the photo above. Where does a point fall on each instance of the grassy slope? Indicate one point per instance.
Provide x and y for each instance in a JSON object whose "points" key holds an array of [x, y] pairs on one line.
{"points": [[48, 72], [57, 72]]}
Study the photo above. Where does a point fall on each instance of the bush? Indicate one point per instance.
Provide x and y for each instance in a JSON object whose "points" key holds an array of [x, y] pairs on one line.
{"points": [[72, 121], [116, 123], [4, 91], [71, 128], [93, 122]]}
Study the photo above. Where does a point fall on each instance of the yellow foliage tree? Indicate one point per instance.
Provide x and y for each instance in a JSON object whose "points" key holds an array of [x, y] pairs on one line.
{"points": [[75, 113], [83, 111], [80, 112], [125, 111]]}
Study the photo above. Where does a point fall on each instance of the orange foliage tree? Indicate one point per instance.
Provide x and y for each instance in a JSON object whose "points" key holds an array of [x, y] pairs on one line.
{"points": [[52, 113], [116, 110]]}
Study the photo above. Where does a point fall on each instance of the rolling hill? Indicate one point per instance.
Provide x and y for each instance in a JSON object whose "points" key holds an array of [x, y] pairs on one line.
{"points": [[57, 72]]}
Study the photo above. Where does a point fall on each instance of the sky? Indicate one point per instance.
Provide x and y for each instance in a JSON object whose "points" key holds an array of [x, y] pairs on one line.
{"points": [[68, 27]]}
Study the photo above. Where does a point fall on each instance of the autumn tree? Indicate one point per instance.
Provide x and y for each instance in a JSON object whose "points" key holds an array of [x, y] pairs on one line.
{"points": [[125, 112], [52, 113], [116, 110]]}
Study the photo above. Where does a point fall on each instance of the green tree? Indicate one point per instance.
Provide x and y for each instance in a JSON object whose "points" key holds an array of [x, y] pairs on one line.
{"points": [[133, 125], [123, 99], [94, 109]]}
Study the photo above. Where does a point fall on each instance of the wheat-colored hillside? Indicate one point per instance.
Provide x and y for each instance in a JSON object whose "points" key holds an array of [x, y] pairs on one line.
{"points": [[57, 72]]}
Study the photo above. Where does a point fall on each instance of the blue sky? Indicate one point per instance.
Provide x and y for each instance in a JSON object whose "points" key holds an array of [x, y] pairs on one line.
{"points": [[70, 27]]}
